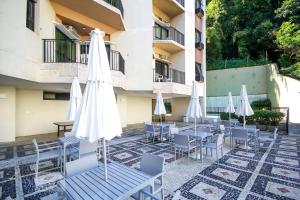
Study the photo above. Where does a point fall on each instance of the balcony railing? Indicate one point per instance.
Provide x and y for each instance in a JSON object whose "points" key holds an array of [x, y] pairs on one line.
{"points": [[116, 3], [199, 45], [198, 73], [167, 33], [172, 75], [71, 51], [181, 2]]}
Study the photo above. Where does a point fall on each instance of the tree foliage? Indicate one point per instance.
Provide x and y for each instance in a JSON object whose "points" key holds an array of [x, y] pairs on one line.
{"points": [[252, 30]]}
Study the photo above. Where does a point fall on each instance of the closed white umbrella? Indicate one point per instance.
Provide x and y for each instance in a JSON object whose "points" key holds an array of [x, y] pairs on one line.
{"points": [[75, 99], [230, 107], [98, 116], [194, 109], [244, 109], [159, 106]]}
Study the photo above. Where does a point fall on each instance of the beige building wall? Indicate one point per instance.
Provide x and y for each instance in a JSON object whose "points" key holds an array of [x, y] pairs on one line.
{"points": [[220, 82], [284, 91], [7, 113], [179, 107], [35, 115], [139, 109], [135, 44]]}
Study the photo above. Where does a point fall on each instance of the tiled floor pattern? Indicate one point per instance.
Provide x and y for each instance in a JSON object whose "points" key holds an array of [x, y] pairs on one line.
{"points": [[273, 172]]}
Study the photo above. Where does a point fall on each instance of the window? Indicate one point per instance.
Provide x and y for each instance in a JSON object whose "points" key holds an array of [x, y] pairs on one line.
{"points": [[30, 14], [168, 106], [198, 72], [162, 68], [56, 96], [197, 36]]}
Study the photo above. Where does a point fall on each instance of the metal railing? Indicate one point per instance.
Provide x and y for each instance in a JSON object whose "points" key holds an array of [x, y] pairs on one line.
{"points": [[168, 33], [199, 45], [71, 51], [116, 3], [198, 7], [181, 2], [172, 75]]}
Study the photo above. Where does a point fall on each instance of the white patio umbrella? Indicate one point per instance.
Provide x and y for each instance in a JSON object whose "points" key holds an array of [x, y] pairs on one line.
{"points": [[75, 99], [244, 109], [159, 106], [230, 107], [194, 109], [98, 116]]}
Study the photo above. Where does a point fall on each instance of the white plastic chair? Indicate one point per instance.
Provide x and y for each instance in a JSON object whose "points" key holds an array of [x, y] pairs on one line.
{"points": [[240, 134], [183, 143]]}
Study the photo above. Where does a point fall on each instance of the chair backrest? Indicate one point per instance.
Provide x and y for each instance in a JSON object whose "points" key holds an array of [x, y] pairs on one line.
{"points": [[220, 138], [239, 132], [222, 128], [173, 130], [182, 140], [85, 147], [68, 134], [226, 123], [81, 165], [165, 129], [149, 128], [275, 133], [152, 164]]}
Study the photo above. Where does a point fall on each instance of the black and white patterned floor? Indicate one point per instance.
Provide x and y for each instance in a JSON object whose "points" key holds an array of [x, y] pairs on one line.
{"points": [[273, 172]]}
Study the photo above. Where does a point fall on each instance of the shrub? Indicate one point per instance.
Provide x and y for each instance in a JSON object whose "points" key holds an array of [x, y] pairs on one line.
{"points": [[225, 116], [284, 61], [262, 117], [292, 71], [258, 105]]}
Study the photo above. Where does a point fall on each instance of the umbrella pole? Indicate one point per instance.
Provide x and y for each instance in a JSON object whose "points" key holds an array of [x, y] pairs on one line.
{"points": [[104, 159], [195, 121], [244, 121], [230, 118]]}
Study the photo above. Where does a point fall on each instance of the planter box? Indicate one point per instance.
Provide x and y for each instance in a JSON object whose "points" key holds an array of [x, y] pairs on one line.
{"points": [[261, 127]]}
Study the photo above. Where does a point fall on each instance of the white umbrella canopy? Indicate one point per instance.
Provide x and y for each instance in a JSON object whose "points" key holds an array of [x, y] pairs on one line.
{"points": [[75, 99], [194, 109], [98, 116], [244, 109], [159, 106], [230, 107]]}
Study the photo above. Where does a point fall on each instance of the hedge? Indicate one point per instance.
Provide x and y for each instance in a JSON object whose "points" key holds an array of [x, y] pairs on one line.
{"points": [[262, 117], [261, 104]]}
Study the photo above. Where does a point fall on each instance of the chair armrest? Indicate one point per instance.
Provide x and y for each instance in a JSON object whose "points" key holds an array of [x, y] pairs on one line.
{"points": [[50, 148], [193, 140]]}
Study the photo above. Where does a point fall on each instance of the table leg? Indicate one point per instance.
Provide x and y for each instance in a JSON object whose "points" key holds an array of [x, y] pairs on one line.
{"points": [[64, 129], [65, 160]]}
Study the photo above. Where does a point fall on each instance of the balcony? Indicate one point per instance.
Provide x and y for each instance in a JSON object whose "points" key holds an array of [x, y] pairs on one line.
{"points": [[168, 38], [64, 59], [198, 8], [198, 73], [199, 45], [170, 7], [104, 14], [169, 75], [70, 51]]}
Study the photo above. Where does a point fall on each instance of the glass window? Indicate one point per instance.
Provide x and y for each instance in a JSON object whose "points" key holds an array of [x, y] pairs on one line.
{"points": [[56, 96], [30, 14], [168, 105]]}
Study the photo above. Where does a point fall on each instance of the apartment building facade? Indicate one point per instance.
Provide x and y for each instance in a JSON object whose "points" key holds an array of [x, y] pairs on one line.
{"points": [[151, 45]]}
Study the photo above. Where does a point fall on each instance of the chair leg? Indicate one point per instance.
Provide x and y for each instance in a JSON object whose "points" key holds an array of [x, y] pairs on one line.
{"points": [[222, 151], [37, 169], [162, 193], [175, 152], [206, 151], [217, 155], [211, 152]]}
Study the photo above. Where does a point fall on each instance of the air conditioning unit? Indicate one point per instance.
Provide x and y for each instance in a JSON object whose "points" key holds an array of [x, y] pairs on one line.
{"points": [[163, 57]]}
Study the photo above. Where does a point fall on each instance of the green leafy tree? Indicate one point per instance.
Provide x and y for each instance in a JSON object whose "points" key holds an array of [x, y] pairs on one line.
{"points": [[289, 11]]}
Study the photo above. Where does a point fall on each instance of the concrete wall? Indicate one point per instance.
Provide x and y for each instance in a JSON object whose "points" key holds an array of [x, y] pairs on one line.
{"points": [[284, 91], [179, 107], [135, 44], [35, 115], [7, 113], [16, 59], [220, 82], [139, 109]]}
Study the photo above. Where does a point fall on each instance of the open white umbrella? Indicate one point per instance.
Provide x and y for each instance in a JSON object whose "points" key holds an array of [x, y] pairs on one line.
{"points": [[244, 109], [230, 107], [159, 106], [75, 99], [194, 109], [98, 116]]}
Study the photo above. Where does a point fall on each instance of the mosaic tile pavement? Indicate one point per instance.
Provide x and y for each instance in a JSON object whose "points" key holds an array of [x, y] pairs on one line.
{"points": [[273, 172]]}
